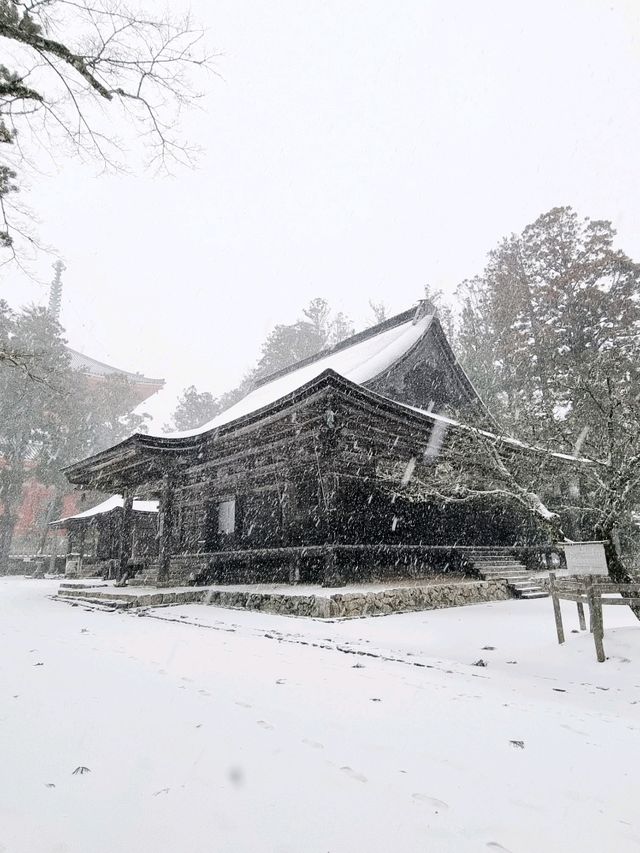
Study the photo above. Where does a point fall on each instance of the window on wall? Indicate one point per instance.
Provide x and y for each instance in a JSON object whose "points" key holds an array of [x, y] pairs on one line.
{"points": [[227, 516]]}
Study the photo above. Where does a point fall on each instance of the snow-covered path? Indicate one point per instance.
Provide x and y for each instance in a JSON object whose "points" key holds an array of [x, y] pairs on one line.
{"points": [[261, 733]]}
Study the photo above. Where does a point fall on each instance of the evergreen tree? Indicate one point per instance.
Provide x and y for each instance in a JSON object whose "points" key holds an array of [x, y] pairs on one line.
{"points": [[285, 345], [551, 304], [194, 409], [550, 334]]}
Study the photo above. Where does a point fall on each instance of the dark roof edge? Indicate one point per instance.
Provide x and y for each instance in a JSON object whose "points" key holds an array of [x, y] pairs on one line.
{"points": [[371, 332], [327, 379]]}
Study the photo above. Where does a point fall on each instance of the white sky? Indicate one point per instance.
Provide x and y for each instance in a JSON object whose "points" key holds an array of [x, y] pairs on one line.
{"points": [[352, 149]]}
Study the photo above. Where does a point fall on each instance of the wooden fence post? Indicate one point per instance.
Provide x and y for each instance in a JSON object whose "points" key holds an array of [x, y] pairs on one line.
{"points": [[556, 607], [581, 619], [595, 608]]}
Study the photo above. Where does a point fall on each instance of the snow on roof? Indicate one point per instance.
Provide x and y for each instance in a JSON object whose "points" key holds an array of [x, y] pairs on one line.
{"points": [[114, 502], [361, 362], [92, 367]]}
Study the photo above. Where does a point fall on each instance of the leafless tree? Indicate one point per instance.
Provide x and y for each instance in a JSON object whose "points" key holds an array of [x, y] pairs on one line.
{"points": [[83, 77]]}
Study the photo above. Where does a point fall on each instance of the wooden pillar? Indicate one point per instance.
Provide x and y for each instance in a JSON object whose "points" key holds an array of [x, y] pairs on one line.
{"points": [[81, 545], [332, 573], [164, 529], [126, 522]]}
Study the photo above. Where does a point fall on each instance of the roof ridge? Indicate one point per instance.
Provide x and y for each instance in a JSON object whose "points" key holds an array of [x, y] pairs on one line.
{"points": [[371, 332]]}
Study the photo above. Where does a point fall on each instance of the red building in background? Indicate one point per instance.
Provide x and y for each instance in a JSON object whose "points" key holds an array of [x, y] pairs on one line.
{"points": [[36, 497]]}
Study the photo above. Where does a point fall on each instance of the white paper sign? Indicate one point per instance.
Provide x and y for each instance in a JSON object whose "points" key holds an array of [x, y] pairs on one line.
{"points": [[585, 558]]}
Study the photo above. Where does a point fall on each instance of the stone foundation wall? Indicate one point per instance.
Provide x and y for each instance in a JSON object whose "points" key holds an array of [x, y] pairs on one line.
{"points": [[355, 604]]}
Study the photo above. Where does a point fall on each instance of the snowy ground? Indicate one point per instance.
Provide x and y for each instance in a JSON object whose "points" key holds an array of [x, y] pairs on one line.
{"points": [[249, 732]]}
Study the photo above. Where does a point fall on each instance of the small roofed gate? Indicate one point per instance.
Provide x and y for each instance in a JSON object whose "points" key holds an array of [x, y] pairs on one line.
{"points": [[94, 538]]}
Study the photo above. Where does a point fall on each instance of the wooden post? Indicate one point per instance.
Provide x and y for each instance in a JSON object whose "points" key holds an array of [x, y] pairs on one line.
{"points": [[124, 551], [164, 529], [581, 619], [556, 607], [294, 569], [595, 606], [81, 546], [331, 576], [580, 605]]}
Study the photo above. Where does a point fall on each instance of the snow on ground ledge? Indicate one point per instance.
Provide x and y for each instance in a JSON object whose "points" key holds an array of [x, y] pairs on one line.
{"points": [[254, 733]]}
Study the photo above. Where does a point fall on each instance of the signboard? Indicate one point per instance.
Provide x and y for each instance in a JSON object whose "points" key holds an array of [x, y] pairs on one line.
{"points": [[585, 558]]}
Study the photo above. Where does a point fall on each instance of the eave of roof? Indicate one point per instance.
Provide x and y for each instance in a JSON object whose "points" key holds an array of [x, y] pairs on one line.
{"points": [[111, 504], [150, 446]]}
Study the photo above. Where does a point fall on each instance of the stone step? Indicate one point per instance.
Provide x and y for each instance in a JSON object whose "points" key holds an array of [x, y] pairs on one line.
{"points": [[489, 553], [492, 567], [498, 561], [491, 557], [510, 579], [488, 567], [540, 594], [99, 603], [498, 573]]}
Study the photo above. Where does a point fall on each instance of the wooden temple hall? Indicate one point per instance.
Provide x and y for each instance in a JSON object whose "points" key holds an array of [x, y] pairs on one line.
{"points": [[295, 482]]}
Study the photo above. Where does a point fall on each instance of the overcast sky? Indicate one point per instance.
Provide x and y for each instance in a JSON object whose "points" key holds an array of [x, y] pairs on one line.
{"points": [[351, 150]]}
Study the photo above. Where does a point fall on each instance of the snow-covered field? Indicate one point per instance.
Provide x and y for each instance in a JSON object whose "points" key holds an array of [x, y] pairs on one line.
{"points": [[248, 732]]}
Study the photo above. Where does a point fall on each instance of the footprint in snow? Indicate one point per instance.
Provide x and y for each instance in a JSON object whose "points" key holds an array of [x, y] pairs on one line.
{"points": [[244, 705], [352, 774], [493, 845], [438, 805], [265, 725], [313, 743], [161, 791]]}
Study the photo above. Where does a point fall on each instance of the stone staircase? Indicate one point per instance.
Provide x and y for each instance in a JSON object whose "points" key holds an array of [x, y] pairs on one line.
{"points": [[500, 564]]}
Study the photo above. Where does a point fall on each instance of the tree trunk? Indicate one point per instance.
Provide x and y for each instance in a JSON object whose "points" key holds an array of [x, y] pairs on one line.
{"points": [[615, 567]]}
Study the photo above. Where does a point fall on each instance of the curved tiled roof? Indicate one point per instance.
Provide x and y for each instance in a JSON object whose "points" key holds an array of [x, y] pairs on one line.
{"points": [[360, 359]]}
